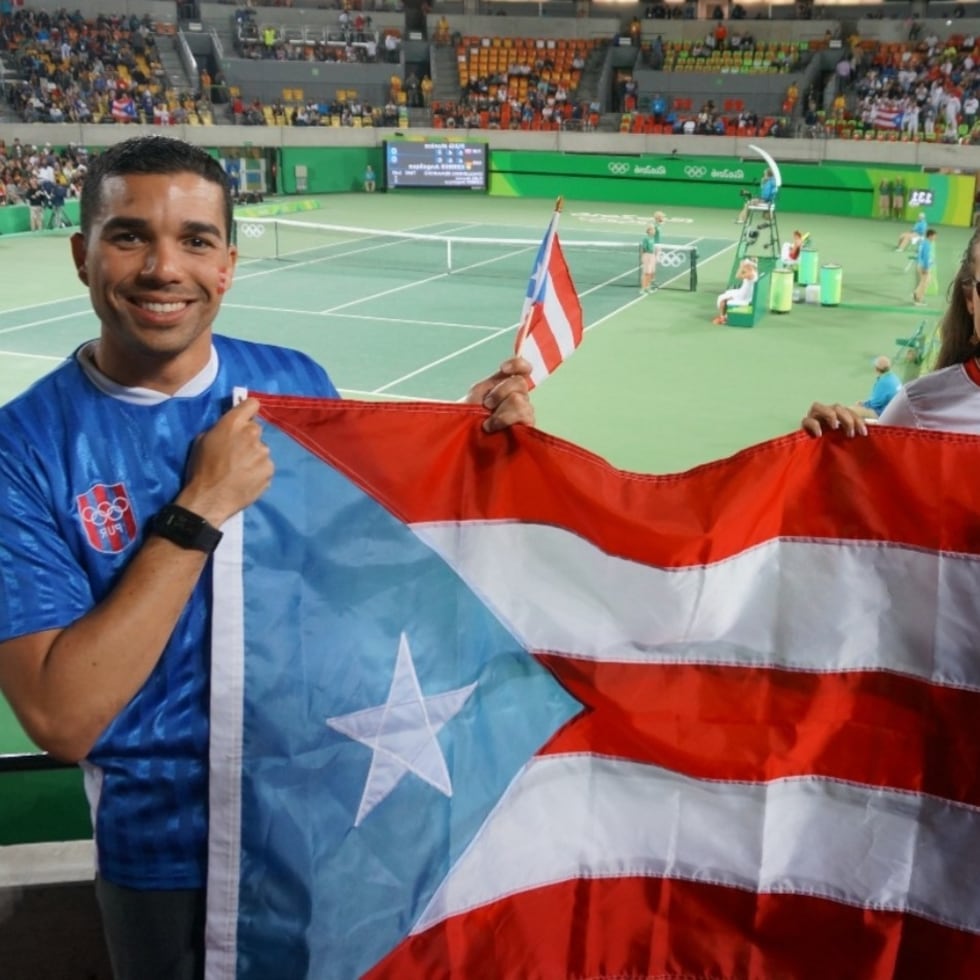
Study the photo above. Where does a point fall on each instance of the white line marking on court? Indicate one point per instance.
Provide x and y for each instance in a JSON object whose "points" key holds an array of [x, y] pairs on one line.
{"points": [[421, 323], [463, 350], [356, 393], [39, 323], [423, 282], [36, 357], [47, 302], [360, 316]]}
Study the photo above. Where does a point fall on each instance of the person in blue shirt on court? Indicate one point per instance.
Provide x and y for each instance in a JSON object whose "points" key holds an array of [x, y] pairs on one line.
{"points": [[117, 471], [925, 263], [914, 235], [884, 389]]}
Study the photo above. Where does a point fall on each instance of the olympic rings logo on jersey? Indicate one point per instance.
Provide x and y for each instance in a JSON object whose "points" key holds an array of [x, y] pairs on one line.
{"points": [[672, 259], [251, 229], [106, 512], [107, 517], [619, 169], [695, 172]]}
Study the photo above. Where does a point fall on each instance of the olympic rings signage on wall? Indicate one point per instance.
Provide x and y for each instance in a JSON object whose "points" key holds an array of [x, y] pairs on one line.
{"points": [[695, 173], [619, 169]]}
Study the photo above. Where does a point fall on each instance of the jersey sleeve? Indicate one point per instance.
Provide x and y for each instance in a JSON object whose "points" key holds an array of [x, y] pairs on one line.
{"points": [[43, 584], [899, 411]]}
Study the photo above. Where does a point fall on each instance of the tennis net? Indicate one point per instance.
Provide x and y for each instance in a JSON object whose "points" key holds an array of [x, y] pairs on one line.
{"points": [[345, 248]]}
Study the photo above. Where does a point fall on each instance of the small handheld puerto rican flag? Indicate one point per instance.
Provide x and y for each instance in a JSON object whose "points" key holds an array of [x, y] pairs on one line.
{"points": [[551, 321]]}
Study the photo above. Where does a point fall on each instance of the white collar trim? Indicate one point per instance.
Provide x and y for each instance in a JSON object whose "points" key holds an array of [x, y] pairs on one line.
{"points": [[145, 396]]}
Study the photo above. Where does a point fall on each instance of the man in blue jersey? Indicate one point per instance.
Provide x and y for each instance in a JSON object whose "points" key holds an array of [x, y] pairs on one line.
{"points": [[117, 471]]}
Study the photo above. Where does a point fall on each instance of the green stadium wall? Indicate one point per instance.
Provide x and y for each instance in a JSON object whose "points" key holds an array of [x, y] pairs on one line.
{"points": [[849, 190]]}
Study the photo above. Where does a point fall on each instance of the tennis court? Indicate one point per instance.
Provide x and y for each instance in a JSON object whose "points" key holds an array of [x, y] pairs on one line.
{"points": [[654, 387]]}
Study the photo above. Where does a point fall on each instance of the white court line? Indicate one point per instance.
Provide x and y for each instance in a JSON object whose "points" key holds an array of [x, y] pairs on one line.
{"points": [[327, 258], [493, 336], [41, 323], [359, 316], [514, 326], [36, 357], [47, 302]]}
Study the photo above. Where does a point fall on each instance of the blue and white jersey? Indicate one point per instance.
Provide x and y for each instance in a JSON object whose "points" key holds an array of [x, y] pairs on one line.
{"points": [[84, 465]]}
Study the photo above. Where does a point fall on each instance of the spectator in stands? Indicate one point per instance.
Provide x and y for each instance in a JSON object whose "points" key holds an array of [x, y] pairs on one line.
{"points": [[38, 199], [442, 31]]}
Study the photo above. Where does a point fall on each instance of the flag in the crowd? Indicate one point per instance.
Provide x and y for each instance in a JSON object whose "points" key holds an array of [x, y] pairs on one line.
{"points": [[551, 320], [887, 115], [484, 706]]}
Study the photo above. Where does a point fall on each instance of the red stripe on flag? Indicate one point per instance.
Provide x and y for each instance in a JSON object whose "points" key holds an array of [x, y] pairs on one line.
{"points": [[829, 488], [759, 724], [540, 334], [678, 930]]}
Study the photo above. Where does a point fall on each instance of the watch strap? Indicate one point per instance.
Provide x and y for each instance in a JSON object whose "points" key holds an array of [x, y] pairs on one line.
{"points": [[185, 528]]}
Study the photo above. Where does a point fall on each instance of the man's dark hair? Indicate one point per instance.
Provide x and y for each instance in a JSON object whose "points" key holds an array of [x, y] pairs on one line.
{"points": [[149, 155]]}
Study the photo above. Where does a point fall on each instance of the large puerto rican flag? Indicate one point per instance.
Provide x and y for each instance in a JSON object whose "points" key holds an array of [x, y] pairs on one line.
{"points": [[551, 320], [486, 707]]}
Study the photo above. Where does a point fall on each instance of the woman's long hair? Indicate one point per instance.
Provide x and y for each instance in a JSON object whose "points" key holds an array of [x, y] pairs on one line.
{"points": [[958, 340]]}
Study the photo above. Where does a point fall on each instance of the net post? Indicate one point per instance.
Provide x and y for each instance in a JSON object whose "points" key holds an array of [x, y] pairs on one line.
{"points": [[275, 227], [694, 269], [449, 255]]}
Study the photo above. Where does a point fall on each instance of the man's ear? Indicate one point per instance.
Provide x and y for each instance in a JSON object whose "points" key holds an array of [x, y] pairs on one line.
{"points": [[78, 254]]}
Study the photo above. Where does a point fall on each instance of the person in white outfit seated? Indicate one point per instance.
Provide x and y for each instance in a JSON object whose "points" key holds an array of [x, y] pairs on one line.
{"points": [[740, 295]]}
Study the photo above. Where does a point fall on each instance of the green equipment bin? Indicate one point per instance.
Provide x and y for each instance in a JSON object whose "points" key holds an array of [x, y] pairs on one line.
{"points": [[831, 281], [808, 267], [781, 297]]}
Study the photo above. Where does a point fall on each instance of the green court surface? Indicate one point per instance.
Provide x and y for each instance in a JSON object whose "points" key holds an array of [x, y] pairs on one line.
{"points": [[655, 386]]}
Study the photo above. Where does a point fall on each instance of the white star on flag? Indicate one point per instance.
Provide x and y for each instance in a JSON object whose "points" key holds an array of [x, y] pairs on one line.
{"points": [[402, 733]]}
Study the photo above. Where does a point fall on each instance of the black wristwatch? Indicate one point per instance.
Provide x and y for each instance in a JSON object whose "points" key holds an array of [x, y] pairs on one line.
{"points": [[185, 528]]}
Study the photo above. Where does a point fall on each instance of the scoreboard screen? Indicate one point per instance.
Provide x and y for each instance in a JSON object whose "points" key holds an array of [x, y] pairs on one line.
{"points": [[423, 164]]}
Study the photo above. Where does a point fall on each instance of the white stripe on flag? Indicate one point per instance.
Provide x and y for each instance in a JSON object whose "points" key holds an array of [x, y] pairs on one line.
{"points": [[225, 754], [870, 848], [532, 353], [557, 318], [821, 606]]}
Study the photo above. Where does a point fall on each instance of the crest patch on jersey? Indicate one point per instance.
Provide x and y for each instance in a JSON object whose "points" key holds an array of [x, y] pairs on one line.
{"points": [[107, 517]]}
